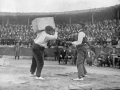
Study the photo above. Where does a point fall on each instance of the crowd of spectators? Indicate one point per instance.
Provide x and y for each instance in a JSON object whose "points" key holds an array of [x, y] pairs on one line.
{"points": [[10, 34], [105, 30]]}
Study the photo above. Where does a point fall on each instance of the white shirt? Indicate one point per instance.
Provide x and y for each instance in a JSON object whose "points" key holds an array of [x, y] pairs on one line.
{"points": [[42, 38], [81, 35]]}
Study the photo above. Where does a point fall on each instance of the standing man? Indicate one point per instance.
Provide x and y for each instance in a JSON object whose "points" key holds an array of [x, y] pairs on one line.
{"points": [[62, 54], [74, 58], [56, 52], [90, 57], [81, 53], [17, 51], [40, 43], [69, 54]]}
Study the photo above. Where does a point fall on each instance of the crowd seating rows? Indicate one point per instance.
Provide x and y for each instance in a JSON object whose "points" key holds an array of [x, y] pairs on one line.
{"points": [[25, 33], [104, 28]]}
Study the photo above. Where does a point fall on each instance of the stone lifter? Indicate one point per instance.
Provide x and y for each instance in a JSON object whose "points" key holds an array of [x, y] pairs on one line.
{"points": [[40, 43]]}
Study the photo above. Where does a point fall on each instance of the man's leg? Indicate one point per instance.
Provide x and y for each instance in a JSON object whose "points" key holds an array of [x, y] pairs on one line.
{"points": [[66, 57], [85, 72], [80, 63], [18, 57], [75, 58], [93, 60], [101, 63], [116, 61], [55, 57], [72, 60], [80, 70], [40, 62], [59, 60], [119, 63], [15, 57], [18, 54], [33, 65], [107, 62]]}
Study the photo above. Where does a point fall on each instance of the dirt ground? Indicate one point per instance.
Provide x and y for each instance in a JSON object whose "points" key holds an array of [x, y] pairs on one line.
{"points": [[16, 76]]}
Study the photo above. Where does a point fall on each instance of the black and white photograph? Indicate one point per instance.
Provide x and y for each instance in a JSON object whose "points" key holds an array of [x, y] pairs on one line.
{"points": [[59, 44]]}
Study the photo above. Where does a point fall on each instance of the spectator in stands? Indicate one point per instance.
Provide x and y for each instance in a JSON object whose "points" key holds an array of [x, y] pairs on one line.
{"points": [[74, 56], [101, 58], [113, 53], [62, 55], [56, 52], [90, 57], [69, 55], [25, 33]]}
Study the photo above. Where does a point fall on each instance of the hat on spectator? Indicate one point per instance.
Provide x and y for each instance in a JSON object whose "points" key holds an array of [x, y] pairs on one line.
{"points": [[41, 23]]}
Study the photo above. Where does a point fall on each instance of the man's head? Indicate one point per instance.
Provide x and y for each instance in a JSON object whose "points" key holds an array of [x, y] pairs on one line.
{"points": [[82, 25], [49, 30]]}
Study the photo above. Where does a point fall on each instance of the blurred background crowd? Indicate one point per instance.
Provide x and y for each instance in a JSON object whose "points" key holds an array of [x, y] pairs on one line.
{"points": [[106, 30], [11, 34]]}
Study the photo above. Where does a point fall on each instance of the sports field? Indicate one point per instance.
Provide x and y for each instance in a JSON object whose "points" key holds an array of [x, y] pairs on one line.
{"points": [[15, 75]]}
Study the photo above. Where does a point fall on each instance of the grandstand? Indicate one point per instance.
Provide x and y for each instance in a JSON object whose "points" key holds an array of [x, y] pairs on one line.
{"points": [[94, 56], [16, 27], [63, 17]]}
